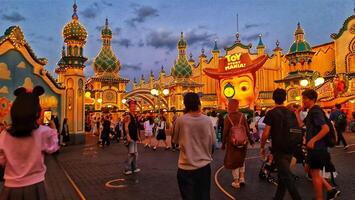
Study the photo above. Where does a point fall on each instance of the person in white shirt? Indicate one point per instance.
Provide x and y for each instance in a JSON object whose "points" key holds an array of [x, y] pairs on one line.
{"points": [[148, 131]]}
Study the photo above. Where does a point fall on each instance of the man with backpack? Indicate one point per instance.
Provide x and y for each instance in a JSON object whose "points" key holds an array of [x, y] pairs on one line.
{"points": [[340, 122], [319, 136], [277, 122]]}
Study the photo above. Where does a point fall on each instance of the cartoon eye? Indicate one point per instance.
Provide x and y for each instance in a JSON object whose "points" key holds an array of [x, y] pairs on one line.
{"points": [[229, 90], [244, 86]]}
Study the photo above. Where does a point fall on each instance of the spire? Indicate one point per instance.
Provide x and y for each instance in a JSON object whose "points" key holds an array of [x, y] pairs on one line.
{"points": [[215, 48], [134, 80], [191, 59], [162, 69], [237, 38], [75, 15], [202, 55], [106, 22], [260, 44], [142, 78], [151, 73], [277, 48], [299, 33]]}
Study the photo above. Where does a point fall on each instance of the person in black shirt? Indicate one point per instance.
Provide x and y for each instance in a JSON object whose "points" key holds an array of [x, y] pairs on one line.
{"points": [[317, 153], [106, 129], [132, 134], [274, 121]]}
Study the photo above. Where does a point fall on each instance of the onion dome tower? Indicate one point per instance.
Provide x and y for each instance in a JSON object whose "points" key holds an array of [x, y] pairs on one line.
{"points": [[70, 72], [106, 64], [106, 84], [182, 68], [74, 34], [300, 50]]}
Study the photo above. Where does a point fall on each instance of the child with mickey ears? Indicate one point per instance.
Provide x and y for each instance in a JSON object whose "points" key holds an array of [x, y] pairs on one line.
{"points": [[23, 146]]}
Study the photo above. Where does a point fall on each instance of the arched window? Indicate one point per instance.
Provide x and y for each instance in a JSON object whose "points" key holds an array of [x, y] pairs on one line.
{"points": [[76, 53]]}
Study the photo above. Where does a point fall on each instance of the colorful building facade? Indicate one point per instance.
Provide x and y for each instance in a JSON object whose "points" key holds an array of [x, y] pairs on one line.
{"points": [[104, 90], [329, 68], [20, 67]]}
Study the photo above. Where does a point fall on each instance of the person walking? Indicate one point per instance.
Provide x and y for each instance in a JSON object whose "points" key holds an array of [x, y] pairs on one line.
{"points": [[23, 147], [234, 158], [195, 135], [174, 146], [148, 131], [340, 122], [317, 152], [220, 127], [64, 135], [161, 135], [105, 134], [132, 135], [118, 130], [275, 121]]}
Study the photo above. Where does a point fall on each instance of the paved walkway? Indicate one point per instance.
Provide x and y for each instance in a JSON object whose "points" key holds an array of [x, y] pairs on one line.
{"points": [[91, 168]]}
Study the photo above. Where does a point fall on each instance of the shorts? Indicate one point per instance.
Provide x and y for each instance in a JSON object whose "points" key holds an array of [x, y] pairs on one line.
{"points": [[317, 159], [132, 147]]}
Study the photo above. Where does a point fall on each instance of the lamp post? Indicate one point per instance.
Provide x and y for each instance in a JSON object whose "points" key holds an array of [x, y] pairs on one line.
{"points": [[158, 92]]}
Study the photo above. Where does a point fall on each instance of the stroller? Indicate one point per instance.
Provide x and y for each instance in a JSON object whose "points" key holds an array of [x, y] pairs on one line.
{"points": [[267, 168]]}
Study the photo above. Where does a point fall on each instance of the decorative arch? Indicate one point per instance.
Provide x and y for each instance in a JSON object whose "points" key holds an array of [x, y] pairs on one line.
{"points": [[147, 94]]}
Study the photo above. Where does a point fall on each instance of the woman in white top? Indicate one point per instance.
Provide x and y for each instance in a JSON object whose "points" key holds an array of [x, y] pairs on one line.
{"points": [[161, 136], [148, 131]]}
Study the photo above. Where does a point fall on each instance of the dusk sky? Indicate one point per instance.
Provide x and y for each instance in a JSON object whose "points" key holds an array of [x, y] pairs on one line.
{"points": [[146, 31]]}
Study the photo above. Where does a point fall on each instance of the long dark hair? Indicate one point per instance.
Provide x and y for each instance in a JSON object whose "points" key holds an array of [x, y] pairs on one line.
{"points": [[25, 111]]}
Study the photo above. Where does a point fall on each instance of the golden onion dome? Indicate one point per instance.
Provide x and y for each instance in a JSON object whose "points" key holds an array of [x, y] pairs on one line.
{"points": [[74, 30]]}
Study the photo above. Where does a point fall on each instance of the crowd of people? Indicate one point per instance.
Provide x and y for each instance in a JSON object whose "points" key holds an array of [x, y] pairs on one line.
{"points": [[293, 132]]}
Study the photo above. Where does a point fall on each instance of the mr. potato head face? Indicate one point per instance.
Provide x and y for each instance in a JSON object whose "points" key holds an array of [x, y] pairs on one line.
{"points": [[240, 88]]}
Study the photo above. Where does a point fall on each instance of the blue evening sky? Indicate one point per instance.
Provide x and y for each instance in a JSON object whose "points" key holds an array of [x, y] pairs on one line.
{"points": [[146, 31]]}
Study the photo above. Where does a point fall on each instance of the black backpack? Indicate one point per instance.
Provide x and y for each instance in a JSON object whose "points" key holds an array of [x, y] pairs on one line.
{"points": [[331, 137], [294, 137]]}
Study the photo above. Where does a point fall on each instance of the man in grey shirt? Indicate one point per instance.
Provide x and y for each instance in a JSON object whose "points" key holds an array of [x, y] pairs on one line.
{"points": [[195, 135]]}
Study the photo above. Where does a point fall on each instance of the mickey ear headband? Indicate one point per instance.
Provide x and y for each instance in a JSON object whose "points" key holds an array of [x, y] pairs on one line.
{"points": [[38, 91]]}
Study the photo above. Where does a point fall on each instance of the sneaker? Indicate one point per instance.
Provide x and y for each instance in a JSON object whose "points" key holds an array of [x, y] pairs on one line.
{"points": [[236, 185], [154, 148], [333, 194], [346, 147], [137, 170], [128, 172], [146, 145]]}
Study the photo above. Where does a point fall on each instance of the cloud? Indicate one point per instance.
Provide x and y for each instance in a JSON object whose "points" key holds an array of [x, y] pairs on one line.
{"points": [[5, 73], [254, 36], [92, 11], [117, 30], [142, 13], [106, 3], [140, 43], [248, 26], [125, 42], [167, 39], [204, 38], [162, 39], [13, 17], [4, 90], [134, 67], [156, 62]]}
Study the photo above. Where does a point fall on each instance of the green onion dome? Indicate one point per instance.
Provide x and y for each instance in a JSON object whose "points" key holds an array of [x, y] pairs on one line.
{"points": [[106, 62], [74, 30], [182, 68]]}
